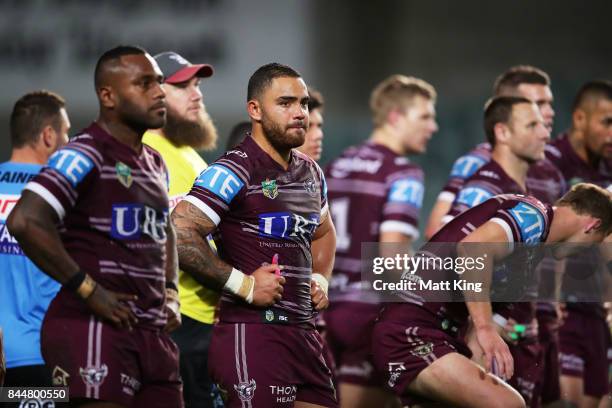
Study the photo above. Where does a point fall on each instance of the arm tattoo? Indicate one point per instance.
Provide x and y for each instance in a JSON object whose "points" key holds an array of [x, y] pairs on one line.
{"points": [[195, 255]]}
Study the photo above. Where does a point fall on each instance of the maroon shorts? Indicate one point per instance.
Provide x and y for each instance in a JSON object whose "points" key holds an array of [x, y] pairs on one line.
{"points": [[402, 350], [584, 340], [269, 365], [349, 336], [549, 389], [528, 371], [97, 361]]}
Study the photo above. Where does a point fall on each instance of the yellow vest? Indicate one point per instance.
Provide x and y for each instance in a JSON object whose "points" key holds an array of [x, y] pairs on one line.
{"points": [[184, 166]]}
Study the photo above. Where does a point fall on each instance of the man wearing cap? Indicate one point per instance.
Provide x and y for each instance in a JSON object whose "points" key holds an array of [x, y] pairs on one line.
{"points": [[188, 128]]}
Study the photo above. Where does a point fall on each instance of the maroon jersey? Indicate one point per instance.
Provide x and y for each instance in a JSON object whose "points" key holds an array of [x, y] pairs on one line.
{"points": [[575, 170], [371, 190], [261, 210], [488, 181], [525, 219], [113, 205], [544, 180]]}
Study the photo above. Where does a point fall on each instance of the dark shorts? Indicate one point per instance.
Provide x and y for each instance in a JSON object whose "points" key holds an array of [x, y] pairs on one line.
{"points": [[267, 365], [402, 350], [193, 341], [584, 341], [528, 371], [549, 389], [349, 336], [97, 361]]}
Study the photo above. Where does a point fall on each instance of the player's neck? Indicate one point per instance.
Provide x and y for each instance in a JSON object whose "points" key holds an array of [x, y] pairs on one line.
{"points": [[281, 158], [514, 166], [576, 140], [123, 133], [564, 224], [386, 137], [28, 155]]}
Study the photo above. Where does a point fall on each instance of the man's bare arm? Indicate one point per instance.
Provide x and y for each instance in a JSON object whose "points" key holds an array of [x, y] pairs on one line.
{"points": [[324, 248], [195, 256], [171, 255], [33, 222]]}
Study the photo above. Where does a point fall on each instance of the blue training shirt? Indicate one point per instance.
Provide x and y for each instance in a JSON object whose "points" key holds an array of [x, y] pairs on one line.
{"points": [[25, 291]]}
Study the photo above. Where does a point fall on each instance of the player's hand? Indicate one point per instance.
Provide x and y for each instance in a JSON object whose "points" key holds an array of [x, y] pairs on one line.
{"points": [[318, 295], [268, 287], [497, 357], [112, 306], [172, 306]]}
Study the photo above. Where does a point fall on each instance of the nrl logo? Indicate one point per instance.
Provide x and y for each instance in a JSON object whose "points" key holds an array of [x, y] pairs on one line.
{"points": [[422, 351], [269, 189], [124, 174], [246, 390], [94, 376], [269, 315], [310, 186]]}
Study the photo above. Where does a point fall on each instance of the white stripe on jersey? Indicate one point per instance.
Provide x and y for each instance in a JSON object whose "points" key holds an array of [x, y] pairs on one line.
{"points": [[48, 197], [210, 213], [399, 226], [507, 229]]}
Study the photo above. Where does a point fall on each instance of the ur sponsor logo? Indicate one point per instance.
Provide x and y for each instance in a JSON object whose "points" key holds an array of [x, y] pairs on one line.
{"points": [[130, 221]]}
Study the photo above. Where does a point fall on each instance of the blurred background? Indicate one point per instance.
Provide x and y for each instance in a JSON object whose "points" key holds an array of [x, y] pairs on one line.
{"points": [[342, 47]]}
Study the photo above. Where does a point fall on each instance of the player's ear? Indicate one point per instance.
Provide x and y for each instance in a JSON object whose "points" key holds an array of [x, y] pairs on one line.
{"points": [[579, 119], [592, 225], [107, 97], [393, 117], [47, 138], [501, 132], [254, 109]]}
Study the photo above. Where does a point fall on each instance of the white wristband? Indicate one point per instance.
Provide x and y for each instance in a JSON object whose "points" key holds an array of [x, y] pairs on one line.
{"points": [[500, 320], [322, 281], [241, 285]]}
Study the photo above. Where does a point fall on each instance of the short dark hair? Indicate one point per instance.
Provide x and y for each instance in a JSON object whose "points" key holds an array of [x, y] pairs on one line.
{"points": [[264, 75], [112, 55], [315, 99], [499, 110], [237, 134], [508, 82], [31, 113], [593, 90], [586, 198]]}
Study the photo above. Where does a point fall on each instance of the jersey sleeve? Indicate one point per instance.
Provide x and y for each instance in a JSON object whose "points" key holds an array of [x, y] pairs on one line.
{"points": [[472, 194], [463, 168], [218, 186], [522, 222], [403, 204], [323, 188], [68, 174]]}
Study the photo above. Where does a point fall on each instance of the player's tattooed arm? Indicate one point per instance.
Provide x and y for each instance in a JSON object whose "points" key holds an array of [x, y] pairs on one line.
{"points": [[195, 255]]}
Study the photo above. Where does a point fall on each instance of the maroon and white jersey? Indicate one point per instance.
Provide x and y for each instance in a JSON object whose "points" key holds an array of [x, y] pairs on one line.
{"points": [[261, 210], [525, 219], [113, 206], [575, 170], [544, 180], [488, 181], [371, 190]]}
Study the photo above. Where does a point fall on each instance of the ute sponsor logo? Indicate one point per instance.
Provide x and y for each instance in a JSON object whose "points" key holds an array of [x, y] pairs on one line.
{"points": [[220, 181], [94, 376], [131, 221], [71, 164], [287, 225], [530, 221], [245, 390], [465, 166]]}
